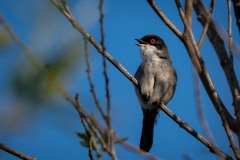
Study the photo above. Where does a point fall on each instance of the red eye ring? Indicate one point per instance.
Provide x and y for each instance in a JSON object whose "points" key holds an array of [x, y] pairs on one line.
{"points": [[153, 41]]}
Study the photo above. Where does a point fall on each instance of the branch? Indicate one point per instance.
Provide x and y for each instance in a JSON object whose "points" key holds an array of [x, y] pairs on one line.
{"points": [[15, 152], [108, 118], [208, 19], [165, 19], [89, 74]]}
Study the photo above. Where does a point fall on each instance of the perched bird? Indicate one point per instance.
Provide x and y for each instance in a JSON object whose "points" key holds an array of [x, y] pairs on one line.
{"points": [[156, 83]]}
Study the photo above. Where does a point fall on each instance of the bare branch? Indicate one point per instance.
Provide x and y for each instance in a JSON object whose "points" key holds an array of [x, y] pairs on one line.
{"points": [[15, 152], [164, 18], [208, 19], [188, 11], [108, 118], [89, 74]]}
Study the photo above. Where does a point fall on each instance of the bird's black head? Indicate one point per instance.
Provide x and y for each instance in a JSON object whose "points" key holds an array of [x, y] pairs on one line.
{"points": [[152, 39]]}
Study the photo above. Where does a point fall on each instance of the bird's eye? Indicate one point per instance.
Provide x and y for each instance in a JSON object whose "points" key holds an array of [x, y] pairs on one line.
{"points": [[153, 41]]}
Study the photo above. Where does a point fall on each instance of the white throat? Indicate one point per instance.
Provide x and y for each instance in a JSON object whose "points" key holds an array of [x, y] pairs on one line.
{"points": [[148, 54]]}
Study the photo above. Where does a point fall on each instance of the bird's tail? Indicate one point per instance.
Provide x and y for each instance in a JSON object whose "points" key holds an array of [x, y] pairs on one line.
{"points": [[148, 129]]}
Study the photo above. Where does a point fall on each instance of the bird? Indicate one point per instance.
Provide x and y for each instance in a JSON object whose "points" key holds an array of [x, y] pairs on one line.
{"points": [[157, 80]]}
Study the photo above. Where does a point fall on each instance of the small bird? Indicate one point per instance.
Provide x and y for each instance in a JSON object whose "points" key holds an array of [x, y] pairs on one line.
{"points": [[156, 83]]}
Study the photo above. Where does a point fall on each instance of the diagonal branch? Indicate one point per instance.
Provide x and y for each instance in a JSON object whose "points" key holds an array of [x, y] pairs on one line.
{"points": [[205, 29], [15, 152], [165, 19]]}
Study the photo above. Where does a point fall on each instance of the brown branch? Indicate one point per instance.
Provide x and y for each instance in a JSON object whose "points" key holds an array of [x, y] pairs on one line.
{"points": [[205, 29], [188, 11], [108, 118], [222, 54], [15, 152], [164, 18], [89, 74]]}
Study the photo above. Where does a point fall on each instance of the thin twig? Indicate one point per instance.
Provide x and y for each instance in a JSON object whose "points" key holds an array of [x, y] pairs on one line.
{"points": [[15, 152], [86, 130], [165, 19], [108, 118], [89, 74], [205, 29]]}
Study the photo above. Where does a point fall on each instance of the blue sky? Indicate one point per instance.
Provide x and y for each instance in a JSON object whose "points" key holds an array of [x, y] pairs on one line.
{"points": [[43, 125]]}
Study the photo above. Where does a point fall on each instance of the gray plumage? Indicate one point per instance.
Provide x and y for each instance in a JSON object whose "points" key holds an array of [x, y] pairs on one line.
{"points": [[157, 82]]}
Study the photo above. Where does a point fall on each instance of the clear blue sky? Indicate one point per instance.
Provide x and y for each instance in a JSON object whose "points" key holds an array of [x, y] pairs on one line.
{"points": [[42, 124]]}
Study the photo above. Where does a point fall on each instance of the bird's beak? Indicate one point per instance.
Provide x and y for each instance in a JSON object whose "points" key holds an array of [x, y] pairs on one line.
{"points": [[141, 42]]}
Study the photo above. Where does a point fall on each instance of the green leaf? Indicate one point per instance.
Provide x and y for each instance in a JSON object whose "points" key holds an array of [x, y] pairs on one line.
{"points": [[83, 136]]}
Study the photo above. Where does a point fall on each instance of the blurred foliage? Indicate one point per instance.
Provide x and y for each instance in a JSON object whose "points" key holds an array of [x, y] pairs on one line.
{"points": [[37, 86], [3, 38]]}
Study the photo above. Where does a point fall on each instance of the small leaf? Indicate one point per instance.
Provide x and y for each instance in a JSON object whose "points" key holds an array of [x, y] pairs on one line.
{"points": [[105, 137], [83, 136]]}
